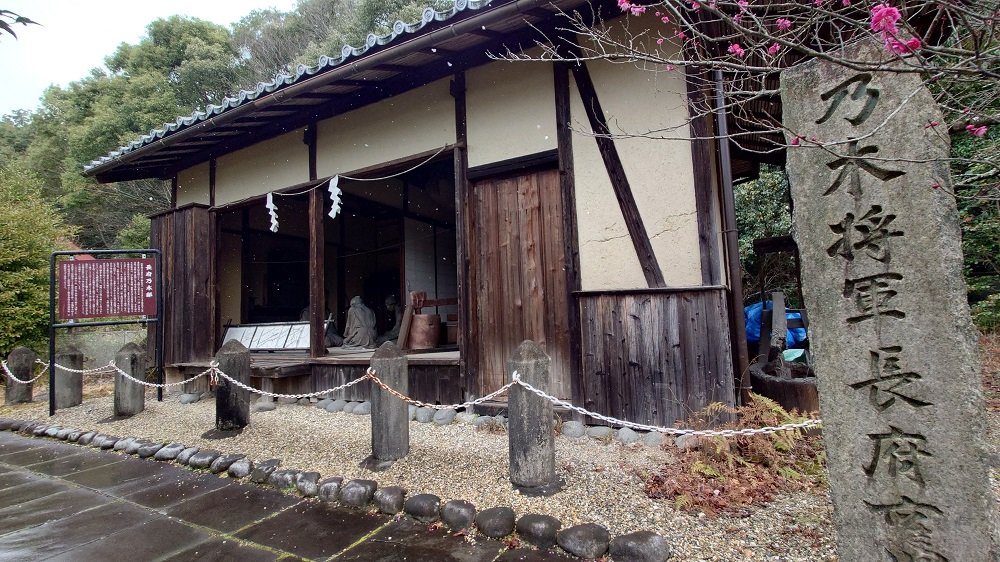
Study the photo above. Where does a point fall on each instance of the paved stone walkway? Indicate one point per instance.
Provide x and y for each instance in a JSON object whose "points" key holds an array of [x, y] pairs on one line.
{"points": [[65, 502]]}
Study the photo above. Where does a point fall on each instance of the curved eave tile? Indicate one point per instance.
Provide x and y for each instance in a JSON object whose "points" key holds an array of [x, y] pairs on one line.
{"points": [[281, 80]]}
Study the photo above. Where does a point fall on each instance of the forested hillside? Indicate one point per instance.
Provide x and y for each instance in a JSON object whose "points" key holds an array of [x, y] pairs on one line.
{"points": [[181, 65]]}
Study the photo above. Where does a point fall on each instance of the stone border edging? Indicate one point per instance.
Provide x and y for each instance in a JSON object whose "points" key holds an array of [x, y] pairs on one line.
{"points": [[586, 541]]}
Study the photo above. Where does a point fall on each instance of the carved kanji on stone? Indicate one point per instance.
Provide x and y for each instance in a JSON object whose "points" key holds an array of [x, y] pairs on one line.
{"points": [[871, 233], [911, 533], [887, 380], [871, 295], [898, 453], [837, 94], [852, 164]]}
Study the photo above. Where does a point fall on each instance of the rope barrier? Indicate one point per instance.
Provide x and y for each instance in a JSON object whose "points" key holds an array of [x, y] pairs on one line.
{"points": [[215, 373], [15, 379]]}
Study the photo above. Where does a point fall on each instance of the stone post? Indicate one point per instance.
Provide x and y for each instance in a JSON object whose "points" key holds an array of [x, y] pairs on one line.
{"points": [[69, 386], [21, 363], [390, 415], [530, 429], [130, 396], [232, 404], [893, 345]]}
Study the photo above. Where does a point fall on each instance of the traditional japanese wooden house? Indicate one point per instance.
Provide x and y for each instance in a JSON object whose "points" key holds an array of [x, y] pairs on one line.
{"points": [[462, 176]]}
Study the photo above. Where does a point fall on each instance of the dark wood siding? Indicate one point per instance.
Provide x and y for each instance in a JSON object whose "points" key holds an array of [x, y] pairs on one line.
{"points": [[517, 278], [184, 238], [655, 356], [434, 384]]}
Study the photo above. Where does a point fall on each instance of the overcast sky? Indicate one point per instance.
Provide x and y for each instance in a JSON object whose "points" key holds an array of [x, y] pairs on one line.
{"points": [[76, 35]]}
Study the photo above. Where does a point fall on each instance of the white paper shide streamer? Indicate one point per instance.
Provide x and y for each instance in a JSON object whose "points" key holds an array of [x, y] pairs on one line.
{"points": [[335, 194], [272, 209]]}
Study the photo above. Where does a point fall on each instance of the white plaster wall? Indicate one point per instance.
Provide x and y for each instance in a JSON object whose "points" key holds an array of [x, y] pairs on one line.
{"points": [[192, 185], [511, 111], [266, 166], [660, 174], [410, 123]]}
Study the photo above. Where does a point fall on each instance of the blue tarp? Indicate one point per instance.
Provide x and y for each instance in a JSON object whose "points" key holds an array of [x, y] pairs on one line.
{"points": [[752, 315]]}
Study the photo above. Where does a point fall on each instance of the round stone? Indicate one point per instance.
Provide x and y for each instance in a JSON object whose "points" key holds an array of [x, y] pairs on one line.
{"points": [[265, 404], [123, 444], [641, 546], [653, 439], [467, 417], [62, 433], [303, 402], [133, 447], [149, 450], [626, 435], [86, 438], [349, 407], [496, 522], [240, 468], [538, 530], [282, 479], [363, 409], [189, 398], [184, 456], [458, 514], [207, 395], [425, 415], [323, 403], [169, 452], [53, 431], [423, 507], [307, 483], [389, 500], [412, 411], [444, 417], [203, 458], [574, 429], [600, 432], [109, 442], [358, 493], [222, 463], [329, 488], [285, 400], [262, 471], [589, 540], [484, 420], [336, 406]]}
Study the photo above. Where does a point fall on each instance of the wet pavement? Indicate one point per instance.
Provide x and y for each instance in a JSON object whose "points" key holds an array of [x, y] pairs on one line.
{"points": [[67, 502]]}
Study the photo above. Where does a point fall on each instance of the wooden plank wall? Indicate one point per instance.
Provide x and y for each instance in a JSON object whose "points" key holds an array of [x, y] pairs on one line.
{"points": [[189, 318], [516, 279], [655, 356], [434, 384]]}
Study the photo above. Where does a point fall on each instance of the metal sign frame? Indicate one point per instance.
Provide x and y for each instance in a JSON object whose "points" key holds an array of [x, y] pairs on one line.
{"points": [[53, 326]]}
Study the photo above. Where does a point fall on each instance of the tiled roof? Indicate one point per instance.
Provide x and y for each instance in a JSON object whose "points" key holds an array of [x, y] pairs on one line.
{"points": [[302, 72]]}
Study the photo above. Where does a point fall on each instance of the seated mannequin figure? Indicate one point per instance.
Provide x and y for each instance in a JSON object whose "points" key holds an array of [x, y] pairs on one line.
{"points": [[393, 308], [359, 332], [330, 337]]}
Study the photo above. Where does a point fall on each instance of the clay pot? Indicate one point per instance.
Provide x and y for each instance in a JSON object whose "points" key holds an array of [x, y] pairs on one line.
{"points": [[425, 331]]}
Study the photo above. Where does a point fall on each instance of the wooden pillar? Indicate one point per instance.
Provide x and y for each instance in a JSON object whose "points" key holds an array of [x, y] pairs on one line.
{"points": [[317, 255], [468, 360], [567, 188]]}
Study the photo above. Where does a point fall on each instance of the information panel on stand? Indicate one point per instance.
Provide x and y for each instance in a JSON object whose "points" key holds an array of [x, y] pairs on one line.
{"points": [[107, 287]]}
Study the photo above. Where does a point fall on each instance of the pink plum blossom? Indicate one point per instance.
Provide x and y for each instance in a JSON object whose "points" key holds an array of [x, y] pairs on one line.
{"points": [[975, 131], [736, 49], [784, 23], [774, 48], [884, 18]]}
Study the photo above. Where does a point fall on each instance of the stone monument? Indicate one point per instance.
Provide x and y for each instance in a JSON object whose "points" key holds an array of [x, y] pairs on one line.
{"points": [[894, 349]]}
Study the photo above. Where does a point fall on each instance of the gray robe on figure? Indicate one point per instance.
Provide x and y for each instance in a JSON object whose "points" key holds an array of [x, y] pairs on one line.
{"points": [[359, 332]]}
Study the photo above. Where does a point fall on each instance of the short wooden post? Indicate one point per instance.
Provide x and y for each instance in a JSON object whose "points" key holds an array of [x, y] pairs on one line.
{"points": [[21, 363], [130, 396], [69, 385], [390, 415], [232, 404], [530, 429]]}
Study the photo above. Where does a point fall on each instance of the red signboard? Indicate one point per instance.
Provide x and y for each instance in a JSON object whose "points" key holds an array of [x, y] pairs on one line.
{"points": [[113, 287]]}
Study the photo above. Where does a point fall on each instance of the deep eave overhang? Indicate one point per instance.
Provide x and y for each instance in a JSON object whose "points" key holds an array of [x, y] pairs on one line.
{"points": [[440, 45]]}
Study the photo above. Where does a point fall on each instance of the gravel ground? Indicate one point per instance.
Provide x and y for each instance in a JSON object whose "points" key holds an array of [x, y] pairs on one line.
{"points": [[457, 462]]}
